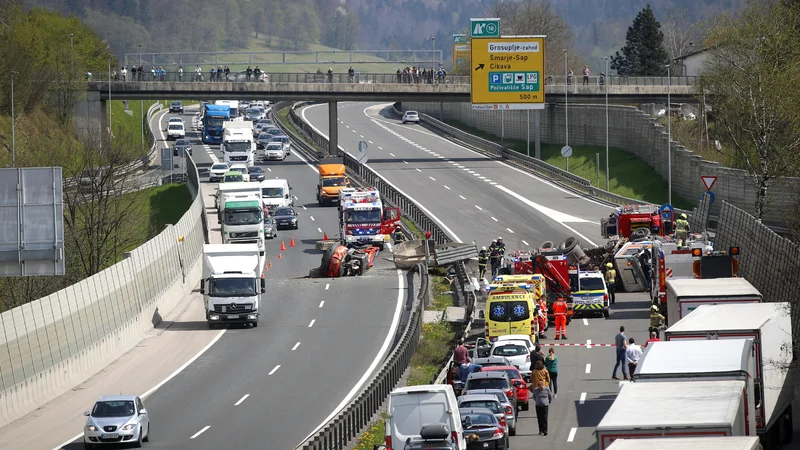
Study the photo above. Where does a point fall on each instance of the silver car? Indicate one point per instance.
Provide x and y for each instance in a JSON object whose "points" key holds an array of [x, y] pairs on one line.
{"points": [[275, 150], [218, 171], [491, 403], [116, 419], [410, 116], [511, 413]]}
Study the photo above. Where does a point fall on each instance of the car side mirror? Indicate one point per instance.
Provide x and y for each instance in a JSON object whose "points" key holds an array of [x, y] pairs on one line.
{"points": [[263, 286], [517, 383], [86, 413], [286, 196]]}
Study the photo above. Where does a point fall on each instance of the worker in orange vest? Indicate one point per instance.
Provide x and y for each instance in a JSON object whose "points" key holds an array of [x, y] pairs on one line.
{"points": [[560, 311]]}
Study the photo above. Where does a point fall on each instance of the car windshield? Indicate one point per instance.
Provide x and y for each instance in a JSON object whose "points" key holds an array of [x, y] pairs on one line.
{"points": [[253, 112], [233, 178], [176, 126], [509, 350], [491, 405], [237, 147], [592, 284], [513, 374], [254, 169], [411, 113], [372, 215], [232, 287], [265, 137], [214, 122], [241, 217], [275, 146], [175, 119], [327, 182], [283, 139], [512, 311], [219, 167], [274, 131], [176, 103], [272, 192], [486, 383], [284, 212], [121, 408], [470, 420]]}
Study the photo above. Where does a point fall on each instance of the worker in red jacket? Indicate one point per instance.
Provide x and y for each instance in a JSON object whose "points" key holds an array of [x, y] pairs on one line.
{"points": [[560, 311]]}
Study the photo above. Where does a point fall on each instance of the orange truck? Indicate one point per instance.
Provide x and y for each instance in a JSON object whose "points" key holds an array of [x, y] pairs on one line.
{"points": [[332, 179]]}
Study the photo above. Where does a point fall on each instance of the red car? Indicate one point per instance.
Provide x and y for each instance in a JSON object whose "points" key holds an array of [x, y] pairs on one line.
{"points": [[519, 384]]}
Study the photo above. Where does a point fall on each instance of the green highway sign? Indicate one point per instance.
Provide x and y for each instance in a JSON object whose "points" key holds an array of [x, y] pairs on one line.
{"points": [[460, 39], [484, 27]]}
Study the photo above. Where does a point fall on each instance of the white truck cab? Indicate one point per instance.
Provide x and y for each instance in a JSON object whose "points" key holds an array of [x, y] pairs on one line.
{"points": [[276, 193], [238, 145], [242, 219], [232, 283]]}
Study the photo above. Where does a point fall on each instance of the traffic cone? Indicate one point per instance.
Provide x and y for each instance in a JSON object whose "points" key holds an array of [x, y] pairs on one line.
{"points": [[270, 263], [280, 256], [291, 244], [266, 269], [283, 246], [324, 236]]}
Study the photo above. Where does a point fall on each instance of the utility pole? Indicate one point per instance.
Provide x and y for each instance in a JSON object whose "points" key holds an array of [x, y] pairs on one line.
{"points": [[13, 125], [433, 53], [605, 86]]}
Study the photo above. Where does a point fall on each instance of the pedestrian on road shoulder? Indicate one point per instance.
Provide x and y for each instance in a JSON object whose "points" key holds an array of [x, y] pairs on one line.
{"points": [[460, 354], [632, 355], [619, 341], [551, 364], [542, 396]]}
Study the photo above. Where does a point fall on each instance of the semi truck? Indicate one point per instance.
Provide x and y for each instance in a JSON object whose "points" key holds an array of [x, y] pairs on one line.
{"points": [[727, 359], [769, 325], [238, 145], [232, 283], [213, 118], [674, 409], [701, 443], [685, 295], [243, 220], [332, 179]]}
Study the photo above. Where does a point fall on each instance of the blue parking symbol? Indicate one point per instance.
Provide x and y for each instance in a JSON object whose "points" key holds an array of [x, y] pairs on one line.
{"points": [[495, 78]]}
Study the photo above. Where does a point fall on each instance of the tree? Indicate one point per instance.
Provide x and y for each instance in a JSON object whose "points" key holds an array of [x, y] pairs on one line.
{"points": [[750, 78], [680, 33], [644, 53]]}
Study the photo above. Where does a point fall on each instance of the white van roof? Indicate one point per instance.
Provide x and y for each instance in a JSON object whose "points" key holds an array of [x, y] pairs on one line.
{"points": [[725, 317], [422, 388], [245, 186], [692, 356], [274, 182]]}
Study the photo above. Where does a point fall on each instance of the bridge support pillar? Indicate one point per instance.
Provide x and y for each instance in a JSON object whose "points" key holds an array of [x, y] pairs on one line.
{"points": [[91, 115], [537, 133], [333, 129]]}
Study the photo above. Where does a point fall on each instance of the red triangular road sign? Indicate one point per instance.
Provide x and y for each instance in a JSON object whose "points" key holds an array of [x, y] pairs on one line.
{"points": [[708, 181]]}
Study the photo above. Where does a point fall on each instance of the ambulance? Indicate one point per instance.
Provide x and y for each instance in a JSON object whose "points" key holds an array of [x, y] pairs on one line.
{"points": [[510, 309]]}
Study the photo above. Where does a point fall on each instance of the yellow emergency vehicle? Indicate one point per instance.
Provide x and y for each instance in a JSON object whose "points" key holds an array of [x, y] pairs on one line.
{"points": [[510, 309], [535, 279], [589, 293]]}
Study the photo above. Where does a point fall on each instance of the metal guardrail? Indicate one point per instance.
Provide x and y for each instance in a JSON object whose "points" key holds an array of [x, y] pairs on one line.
{"points": [[451, 252]]}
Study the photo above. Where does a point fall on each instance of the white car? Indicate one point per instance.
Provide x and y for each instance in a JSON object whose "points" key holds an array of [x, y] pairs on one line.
{"points": [[116, 419], [411, 116], [275, 150], [517, 351], [217, 171], [176, 130], [175, 120], [241, 167]]}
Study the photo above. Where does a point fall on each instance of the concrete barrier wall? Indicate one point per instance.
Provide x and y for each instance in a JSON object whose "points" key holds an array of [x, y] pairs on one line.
{"points": [[633, 131], [52, 344]]}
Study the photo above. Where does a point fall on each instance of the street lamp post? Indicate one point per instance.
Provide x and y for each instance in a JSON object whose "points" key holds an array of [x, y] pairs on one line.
{"points": [[109, 99], [433, 56], [141, 102], [13, 125], [566, 89], [669, 136], [605, 86]]}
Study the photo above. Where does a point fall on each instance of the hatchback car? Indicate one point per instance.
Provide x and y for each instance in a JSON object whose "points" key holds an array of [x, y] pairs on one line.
{"points": [[217, 171], [275, 150], [185, 145], [262, 140], [492, 380], [176, 107], [287, 144], [256, 173], [410, 116], [242, 168], [482, 426], [253, 114], [175, 130], [523, 401], [286, 218], [517, 352], [274, 131], [116, 419], [501, 397], [270, 227]]}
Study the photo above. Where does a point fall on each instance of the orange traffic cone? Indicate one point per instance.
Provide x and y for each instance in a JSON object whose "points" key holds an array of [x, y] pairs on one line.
{"points": [[324, 236], [291, 244], [270, 263], [283, 246], [280, 256], [266, 269]]}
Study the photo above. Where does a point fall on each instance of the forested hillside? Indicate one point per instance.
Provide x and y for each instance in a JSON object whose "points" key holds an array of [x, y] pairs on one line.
{"points": [[598, 26]]}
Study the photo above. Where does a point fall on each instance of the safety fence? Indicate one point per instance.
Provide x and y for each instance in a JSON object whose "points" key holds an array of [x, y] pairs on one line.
{"points": [[52, 344]]}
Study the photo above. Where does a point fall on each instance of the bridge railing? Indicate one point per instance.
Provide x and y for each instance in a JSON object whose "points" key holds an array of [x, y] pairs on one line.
{"points": [[205, 76]]}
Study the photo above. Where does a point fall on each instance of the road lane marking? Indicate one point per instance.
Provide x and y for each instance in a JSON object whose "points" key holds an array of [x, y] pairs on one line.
{"points": [[391, 153], [510, 230], [304, 206], [295, 346], [274, 370], [495, 219], [312, 323], [585, 321], [588, 343], [269, 169], [405, 162], [321, 303], [524, 242], [311, 217], [479, 208], [419, 170], [588, 368], [583, 398], [327, 286], [434, 179], [571, 436], [447, 187], [362, 136], [353, 130], [319, 229], [243, 398], [203, 430], [462, 197], [347, 126]]}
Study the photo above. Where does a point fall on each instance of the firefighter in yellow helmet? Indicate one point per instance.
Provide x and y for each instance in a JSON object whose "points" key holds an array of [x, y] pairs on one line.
{"points": [[611, 282], [682, 230]]}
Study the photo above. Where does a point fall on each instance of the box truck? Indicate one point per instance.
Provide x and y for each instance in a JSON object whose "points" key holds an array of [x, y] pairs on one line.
{"points": [[242, 220], [769, 325], [232, 283], [332, 178], [238, 145], [674, 409], [684, 295], [701, 443], [727, 359]]}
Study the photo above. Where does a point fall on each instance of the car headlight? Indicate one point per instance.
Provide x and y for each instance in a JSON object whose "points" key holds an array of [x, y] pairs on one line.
{"points": [[91, 428], [128, 427], [294, 219]]}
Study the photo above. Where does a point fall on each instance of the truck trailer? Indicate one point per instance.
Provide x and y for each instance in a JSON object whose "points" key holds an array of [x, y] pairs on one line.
{"points": [[674, 409], [727, 359], [769, 325], [701, 443], [685, 295], [232, 283]]}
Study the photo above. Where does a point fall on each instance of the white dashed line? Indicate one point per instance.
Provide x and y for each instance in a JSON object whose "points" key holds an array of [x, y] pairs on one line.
{"points": [[510, 230], [434, 179], [295, 346], [588, 368], [304, 207], [243, 398], [274, 370], [321, 303], [583, 398], [327, 286], [419, 170], [460, 167], [319, 229], [588, 343], [269, 169], [347, 126], [203, 430], [462, 197], [524, 242], [361, 136], [295, 197], [479, 208], [353, 130], [392, 154], [487, 180], [373, 143], [311, 217], [447, 187], [585, 321], [405, 162], [495, 219], [571, 436], [312, 323]]}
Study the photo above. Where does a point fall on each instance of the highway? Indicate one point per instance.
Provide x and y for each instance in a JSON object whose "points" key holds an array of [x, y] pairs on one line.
{"points": [[475, 198], [271, 386]]}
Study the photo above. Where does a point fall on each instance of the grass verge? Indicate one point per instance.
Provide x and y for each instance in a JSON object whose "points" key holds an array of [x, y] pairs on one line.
{"points": [[283, 117], [164, 205], [630, 176]]}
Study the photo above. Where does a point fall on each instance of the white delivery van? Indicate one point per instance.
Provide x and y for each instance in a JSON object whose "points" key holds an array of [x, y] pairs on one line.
{"points": [[276, 193], [688, 443], [684, 295], [409, 408]]}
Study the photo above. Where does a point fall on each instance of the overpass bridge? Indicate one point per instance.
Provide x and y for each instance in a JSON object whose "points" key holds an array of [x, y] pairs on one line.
{"points": [[333, 88]]}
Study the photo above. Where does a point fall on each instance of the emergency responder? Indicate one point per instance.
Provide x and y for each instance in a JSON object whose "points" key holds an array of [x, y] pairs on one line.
{"points": [[560, 311], [541, 318], [501, 246], [483, 258], [682, 230], [656, 320], [645, 260], [494, 258], [611, 282]]}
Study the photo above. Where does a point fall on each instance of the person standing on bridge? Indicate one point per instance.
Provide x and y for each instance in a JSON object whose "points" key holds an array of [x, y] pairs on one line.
{"points": [[351, 74], [248, 73], [227, 72], [586, 73], [180, 73]]}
